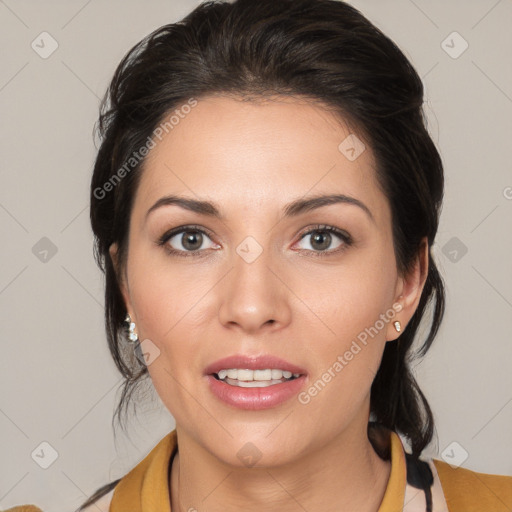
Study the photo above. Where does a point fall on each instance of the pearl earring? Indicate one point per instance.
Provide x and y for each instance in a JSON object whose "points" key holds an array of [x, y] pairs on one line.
{"points": [[398, 326]]}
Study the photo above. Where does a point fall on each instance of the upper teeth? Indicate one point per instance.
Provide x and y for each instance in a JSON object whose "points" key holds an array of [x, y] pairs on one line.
{"points": [[248, 375]]}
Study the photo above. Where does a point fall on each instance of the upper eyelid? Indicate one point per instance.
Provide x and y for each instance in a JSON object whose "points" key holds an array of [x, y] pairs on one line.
{"points": [[325, 227], [181, 229]]}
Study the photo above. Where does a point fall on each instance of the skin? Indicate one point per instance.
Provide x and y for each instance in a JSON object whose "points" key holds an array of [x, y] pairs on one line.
{"points": [[252, 158]]}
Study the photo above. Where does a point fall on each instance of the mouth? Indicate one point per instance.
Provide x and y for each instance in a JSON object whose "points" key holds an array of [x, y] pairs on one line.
{"points": [[259, 378], [254, 382]]}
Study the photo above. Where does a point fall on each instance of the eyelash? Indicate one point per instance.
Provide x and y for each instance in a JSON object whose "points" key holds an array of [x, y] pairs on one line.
{"points": [[345, 237]]}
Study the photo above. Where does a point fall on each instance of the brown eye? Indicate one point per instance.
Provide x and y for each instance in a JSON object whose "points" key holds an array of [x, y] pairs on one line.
{"points": [[187, 241], [326, 239], [192, 240], [321, 240]]}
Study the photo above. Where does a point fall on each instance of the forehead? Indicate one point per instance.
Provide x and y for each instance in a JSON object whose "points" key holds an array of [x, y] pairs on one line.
{"points": [[257, 154]]}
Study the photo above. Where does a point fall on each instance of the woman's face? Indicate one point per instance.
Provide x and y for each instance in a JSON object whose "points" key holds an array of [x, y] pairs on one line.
{"points": [[261, 282]]}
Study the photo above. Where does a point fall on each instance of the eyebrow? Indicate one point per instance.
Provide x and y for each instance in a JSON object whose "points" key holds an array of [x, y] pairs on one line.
{"points": [[293, 209]]}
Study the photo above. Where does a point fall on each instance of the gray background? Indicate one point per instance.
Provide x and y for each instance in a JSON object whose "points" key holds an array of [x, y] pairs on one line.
{"points": [[58, 383]]}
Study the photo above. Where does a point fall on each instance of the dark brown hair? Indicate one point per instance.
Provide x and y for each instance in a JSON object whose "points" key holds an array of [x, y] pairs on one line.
{"points": [[324, 50]]}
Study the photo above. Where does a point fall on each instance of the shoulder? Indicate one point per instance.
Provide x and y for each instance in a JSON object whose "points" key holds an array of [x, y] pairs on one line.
{"points": [[23, 508], [101, 505], [470, 491]]}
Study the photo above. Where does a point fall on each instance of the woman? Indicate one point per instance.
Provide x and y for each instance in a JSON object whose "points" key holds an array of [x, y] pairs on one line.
{"points": [[264, 202]]}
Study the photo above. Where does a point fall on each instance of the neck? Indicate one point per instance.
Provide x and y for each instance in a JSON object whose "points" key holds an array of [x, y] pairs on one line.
{"points": [[345, 475]]}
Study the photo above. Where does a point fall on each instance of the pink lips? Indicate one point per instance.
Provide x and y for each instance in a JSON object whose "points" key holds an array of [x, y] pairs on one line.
{"points": [[254, 398]]}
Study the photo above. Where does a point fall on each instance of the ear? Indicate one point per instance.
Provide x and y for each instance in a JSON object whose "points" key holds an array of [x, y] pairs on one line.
{"points": [[408, 291], [121, 277]]}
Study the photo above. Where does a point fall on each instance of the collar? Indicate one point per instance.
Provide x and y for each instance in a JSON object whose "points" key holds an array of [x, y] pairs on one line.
{"points": [[413, 485]]}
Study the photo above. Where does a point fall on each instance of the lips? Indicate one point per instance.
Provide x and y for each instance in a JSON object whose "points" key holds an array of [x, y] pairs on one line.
{"points": [[254, 395]]}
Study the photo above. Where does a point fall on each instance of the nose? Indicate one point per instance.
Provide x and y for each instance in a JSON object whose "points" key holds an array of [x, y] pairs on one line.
{"points": [[254, 295]]}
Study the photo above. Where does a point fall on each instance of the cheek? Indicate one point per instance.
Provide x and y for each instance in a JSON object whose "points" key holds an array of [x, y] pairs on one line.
{"points": [[169, 308], [162, 294], [355, 294], [354, 307], [164, 315]]}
